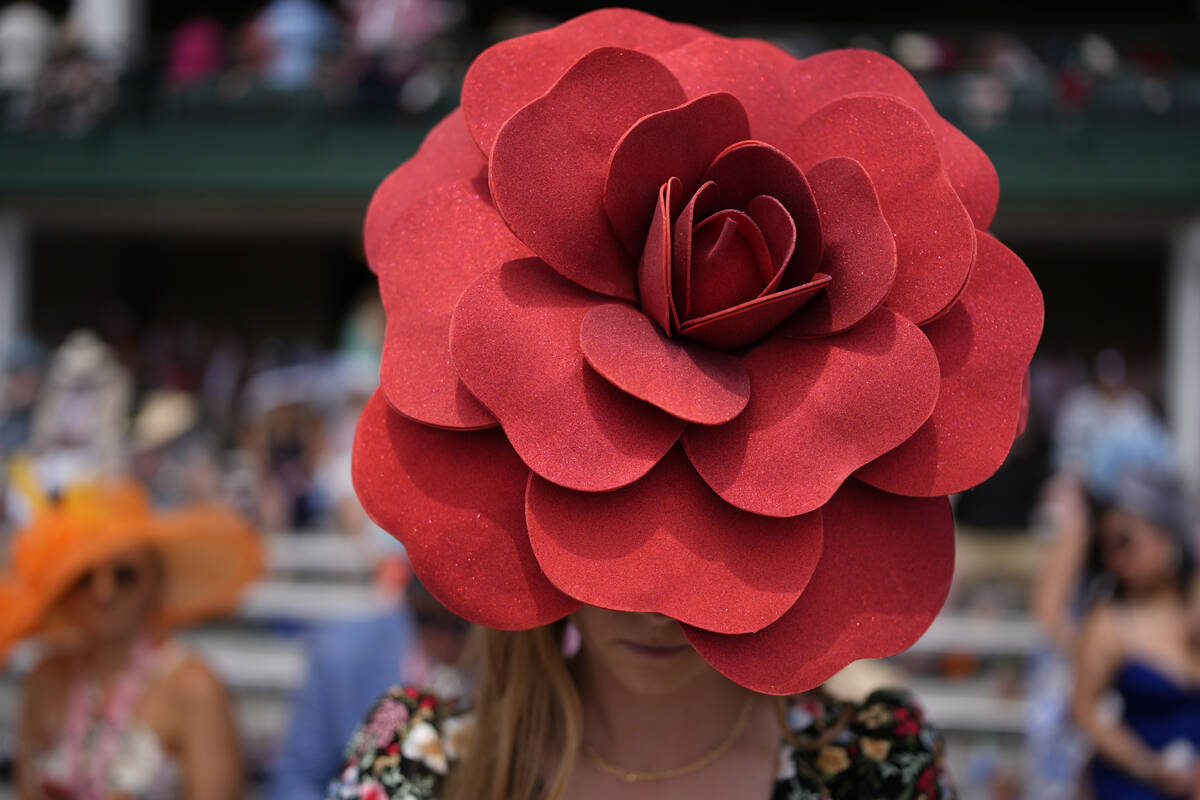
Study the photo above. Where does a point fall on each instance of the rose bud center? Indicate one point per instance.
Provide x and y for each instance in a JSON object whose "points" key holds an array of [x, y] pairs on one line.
{"points": [[730, 263], [724, 276]]}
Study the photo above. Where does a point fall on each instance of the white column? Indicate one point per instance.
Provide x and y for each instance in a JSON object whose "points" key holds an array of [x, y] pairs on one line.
{"points": [[14, 278], [1183, 347]]}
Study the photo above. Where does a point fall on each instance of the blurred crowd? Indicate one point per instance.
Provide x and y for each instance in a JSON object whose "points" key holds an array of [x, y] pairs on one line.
{"points": [[403, 58], [198, 417], [985, 79], [68, 73]]}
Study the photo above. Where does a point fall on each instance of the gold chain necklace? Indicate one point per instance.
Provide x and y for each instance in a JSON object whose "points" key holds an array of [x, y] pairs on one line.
{"points": [[634, 776]]}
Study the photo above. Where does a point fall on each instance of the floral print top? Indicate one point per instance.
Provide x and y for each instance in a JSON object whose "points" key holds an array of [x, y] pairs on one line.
{"points": [[880, 749]]}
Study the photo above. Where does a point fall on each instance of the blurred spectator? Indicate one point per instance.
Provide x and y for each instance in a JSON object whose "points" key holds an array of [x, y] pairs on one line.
{"points": [[379, 27], [107, 32], [115, 708], [350, 664], [27, 34], [82, 414], [355, 372], [296, 34], [284, 436], [248, 55], [19, 388], [220, 384], [357, 376], [172, 454], [1137, 643], [1134, 443], [74, 94], [1094, 416], [391, 43], [195, 53], [363, 330]]}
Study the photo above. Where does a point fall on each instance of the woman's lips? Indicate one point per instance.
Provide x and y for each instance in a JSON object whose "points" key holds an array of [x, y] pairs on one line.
{"points": [[654, 650]]}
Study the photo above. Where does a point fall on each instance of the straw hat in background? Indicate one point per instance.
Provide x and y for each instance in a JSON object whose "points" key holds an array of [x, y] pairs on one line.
{"points": [[163, 418]]}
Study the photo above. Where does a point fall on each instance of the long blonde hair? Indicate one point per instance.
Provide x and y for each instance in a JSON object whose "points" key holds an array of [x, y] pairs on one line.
{"points": [[527, 714]]}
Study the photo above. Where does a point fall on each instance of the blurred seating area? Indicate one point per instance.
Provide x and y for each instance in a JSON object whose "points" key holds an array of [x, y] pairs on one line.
{"points": [[72, 72]]}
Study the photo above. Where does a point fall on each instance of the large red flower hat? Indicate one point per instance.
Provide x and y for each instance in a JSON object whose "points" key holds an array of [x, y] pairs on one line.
{"points": [[680, 323]]}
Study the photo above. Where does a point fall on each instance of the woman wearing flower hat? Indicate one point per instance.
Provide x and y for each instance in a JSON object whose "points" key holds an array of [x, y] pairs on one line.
{"points": [[116, 709], [688, 340]]}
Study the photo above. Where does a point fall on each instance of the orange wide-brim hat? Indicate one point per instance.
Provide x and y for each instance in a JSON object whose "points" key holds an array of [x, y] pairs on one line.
{"points": [[209, 555]]}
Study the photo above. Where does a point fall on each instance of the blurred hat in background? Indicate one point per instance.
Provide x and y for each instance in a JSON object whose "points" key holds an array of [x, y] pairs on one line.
{"points": [[164, 417], [1155, 495], [209, 554]]}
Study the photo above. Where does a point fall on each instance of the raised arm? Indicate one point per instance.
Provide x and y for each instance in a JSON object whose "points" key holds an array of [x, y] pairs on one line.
{"points": [[1063, 560]]}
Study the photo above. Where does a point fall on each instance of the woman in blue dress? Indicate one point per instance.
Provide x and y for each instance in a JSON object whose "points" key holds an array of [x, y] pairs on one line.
{"points": [[1138, 645]]}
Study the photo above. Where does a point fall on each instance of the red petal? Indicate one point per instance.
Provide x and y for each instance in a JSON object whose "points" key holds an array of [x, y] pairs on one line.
{"points": [[701, 205], [456, 501], [675, 143], [860, 254], [730, 263], [749, 169], [446, 155], [825, 77], [654, 270], [984, 345], [935, 239], [749, 69], [435, 249], [819, 409], [550, 160], [882, 578], [511, 74], [778, 231], [748, 322], [684, 379], [667, 544], [514, 338]]}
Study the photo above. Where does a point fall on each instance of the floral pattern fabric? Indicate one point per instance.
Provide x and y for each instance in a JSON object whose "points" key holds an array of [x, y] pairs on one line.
{"points": [[880, 749]]}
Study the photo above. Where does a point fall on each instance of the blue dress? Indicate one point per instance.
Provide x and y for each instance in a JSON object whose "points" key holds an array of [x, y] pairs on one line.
{"points": [[1160, 711]]}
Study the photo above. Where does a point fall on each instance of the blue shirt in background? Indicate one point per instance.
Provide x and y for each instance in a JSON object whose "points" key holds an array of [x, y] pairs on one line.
{"points": [[350, 665]]}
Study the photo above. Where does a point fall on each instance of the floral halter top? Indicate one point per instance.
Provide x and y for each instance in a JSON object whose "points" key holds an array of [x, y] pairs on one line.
{"points": [[880, 749]]}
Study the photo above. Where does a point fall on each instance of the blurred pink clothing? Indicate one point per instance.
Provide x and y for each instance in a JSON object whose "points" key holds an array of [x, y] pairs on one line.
{"points": [[195, 54]]}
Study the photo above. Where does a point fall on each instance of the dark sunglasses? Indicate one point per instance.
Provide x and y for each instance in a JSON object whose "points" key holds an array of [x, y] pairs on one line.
{"points": [[124, 576]]}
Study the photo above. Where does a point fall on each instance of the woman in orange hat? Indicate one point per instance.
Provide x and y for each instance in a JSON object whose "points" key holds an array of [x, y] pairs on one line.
{"points": [[115, 709]]}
